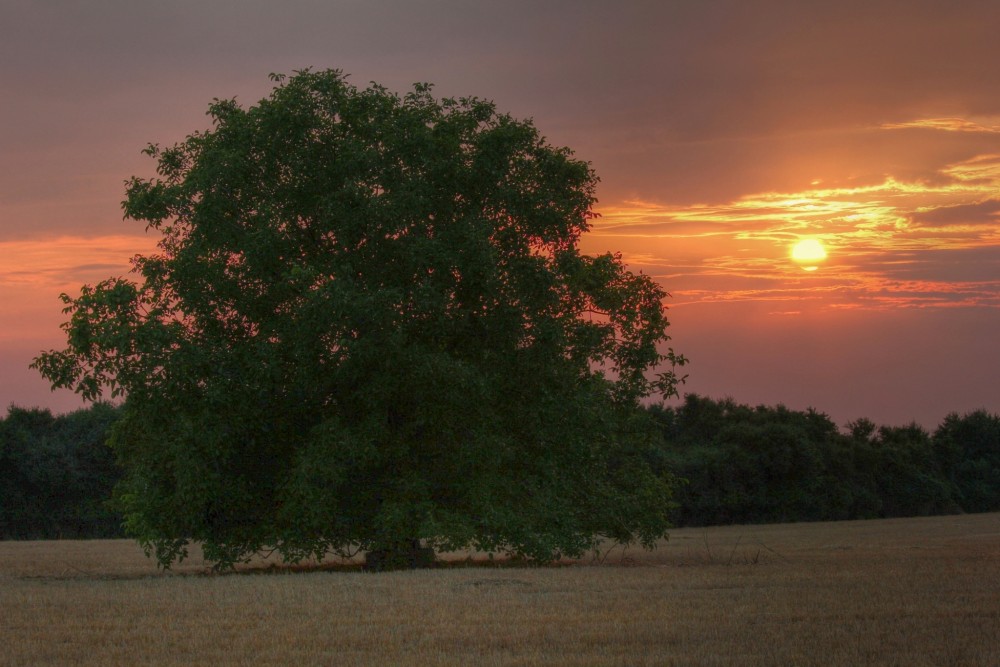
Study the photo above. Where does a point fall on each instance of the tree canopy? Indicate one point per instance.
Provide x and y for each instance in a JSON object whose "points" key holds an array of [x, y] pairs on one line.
{"points": [[369, 325]]}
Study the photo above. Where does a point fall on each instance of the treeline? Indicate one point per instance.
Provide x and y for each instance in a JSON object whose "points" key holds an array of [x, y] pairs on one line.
{"points": [[739, 464], [56, 474], [769, 464]]}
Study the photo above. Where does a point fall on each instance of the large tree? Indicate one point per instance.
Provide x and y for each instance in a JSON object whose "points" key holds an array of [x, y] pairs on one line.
{"points": [[369, 326]]}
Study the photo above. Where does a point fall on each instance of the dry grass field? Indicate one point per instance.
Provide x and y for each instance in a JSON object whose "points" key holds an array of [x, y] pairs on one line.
{"points": [[898, 592]]}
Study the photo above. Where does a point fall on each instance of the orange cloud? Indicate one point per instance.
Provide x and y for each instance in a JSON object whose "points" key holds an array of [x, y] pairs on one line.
{"points": [[886, 243], [34, 272], [989, 125]]}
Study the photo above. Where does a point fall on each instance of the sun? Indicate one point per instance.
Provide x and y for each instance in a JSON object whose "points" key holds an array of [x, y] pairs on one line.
{"points": [[808, 253]]}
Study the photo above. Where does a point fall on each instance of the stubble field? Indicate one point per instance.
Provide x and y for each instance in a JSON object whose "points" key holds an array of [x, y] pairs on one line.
{"points": [[895, 592]]}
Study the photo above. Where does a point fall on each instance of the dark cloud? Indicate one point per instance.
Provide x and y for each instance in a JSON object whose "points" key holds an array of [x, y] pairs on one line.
{"points": [[672, 228], [94, 268], [962, 214], [979, 267], [677, 101]]}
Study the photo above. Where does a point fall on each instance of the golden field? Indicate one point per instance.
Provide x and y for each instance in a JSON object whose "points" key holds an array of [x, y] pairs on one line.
{"points": [[893, 592]]}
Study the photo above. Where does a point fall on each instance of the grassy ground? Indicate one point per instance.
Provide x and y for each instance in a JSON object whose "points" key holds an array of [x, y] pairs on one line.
{"points": [[898, 592]]}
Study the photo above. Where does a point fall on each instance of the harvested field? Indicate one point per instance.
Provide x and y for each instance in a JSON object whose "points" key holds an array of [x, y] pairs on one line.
{"points": [[894, 592]]}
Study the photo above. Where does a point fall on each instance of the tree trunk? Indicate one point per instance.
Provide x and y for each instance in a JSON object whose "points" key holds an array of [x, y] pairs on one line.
{"points": [[402, 555]]}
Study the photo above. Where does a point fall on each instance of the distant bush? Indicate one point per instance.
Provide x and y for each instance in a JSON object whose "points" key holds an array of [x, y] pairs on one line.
{"points": [[968, 449], [767, 464], [56, 474], [740, 464]]}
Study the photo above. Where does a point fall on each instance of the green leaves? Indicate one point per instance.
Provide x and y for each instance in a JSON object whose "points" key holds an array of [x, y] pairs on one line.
{"points": [[368, 323]]}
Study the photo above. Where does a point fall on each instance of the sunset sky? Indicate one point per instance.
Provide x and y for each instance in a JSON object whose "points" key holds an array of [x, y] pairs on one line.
{"points": [[724, 132]]}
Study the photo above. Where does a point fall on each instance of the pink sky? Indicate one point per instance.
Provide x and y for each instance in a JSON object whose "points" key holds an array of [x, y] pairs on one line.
{"points": [[723, 132]]}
